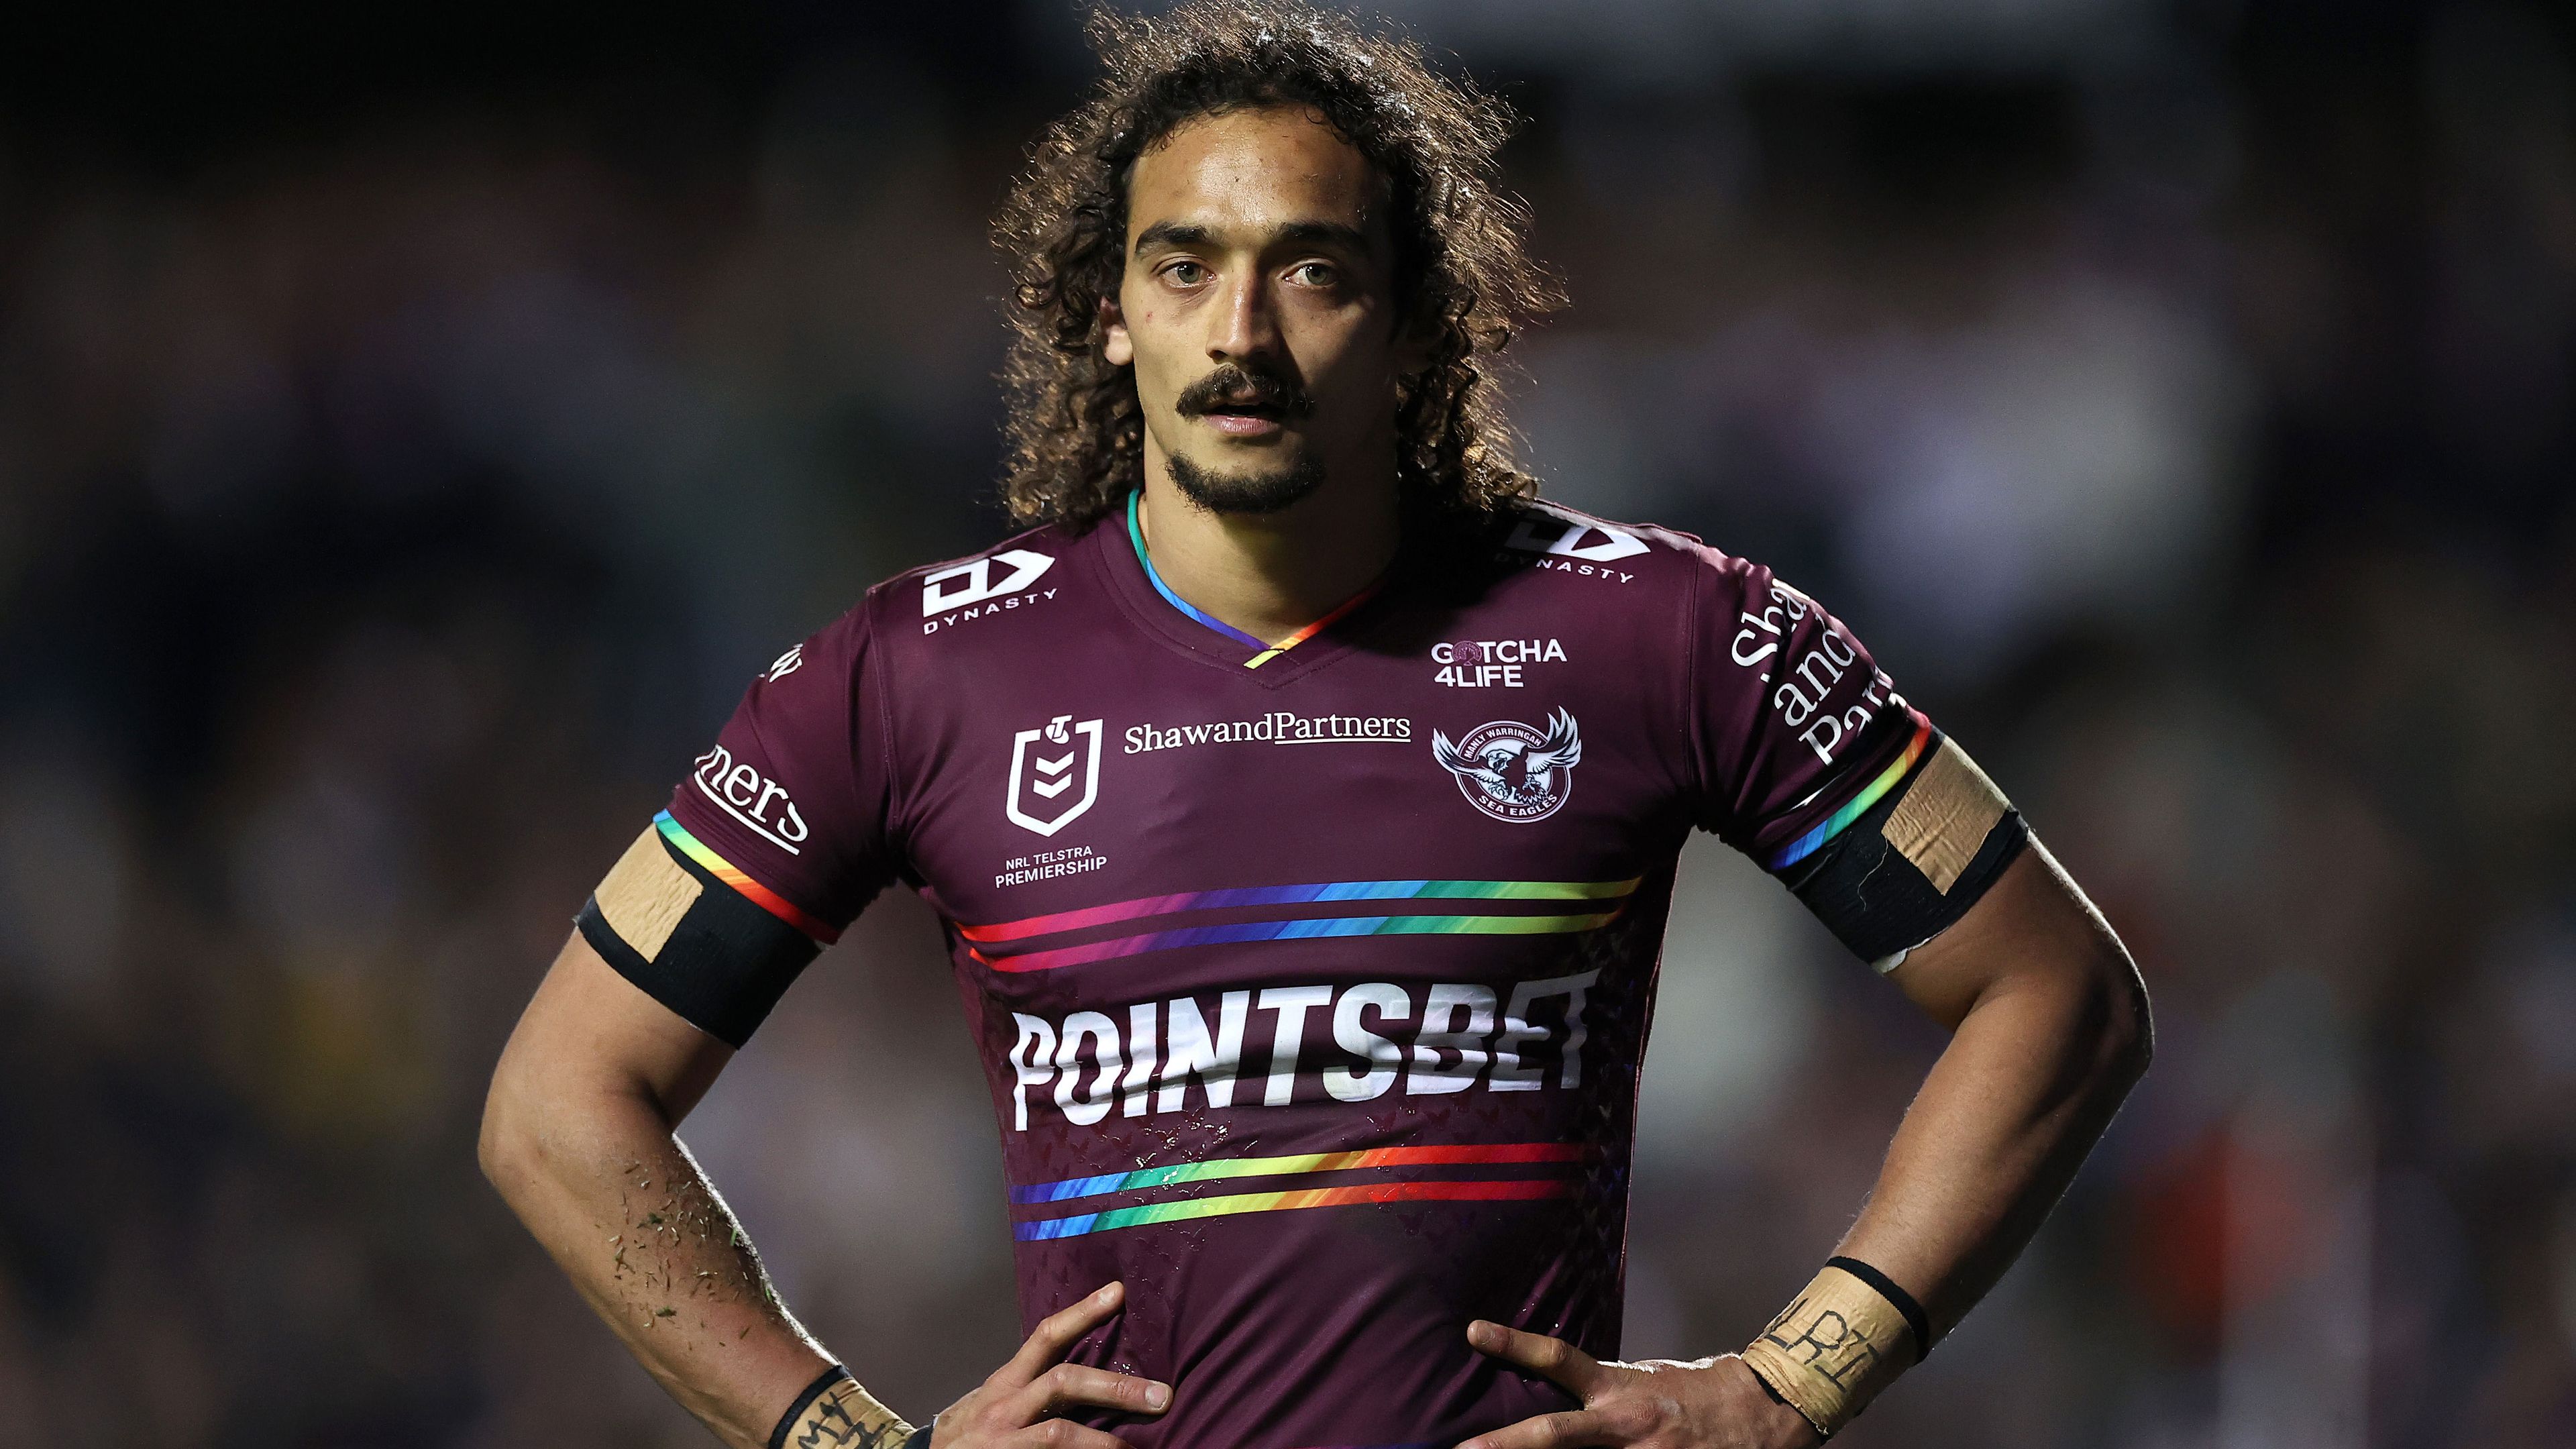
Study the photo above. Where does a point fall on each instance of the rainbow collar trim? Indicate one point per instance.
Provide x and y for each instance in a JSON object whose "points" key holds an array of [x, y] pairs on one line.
{"points": [[1262, 653]]}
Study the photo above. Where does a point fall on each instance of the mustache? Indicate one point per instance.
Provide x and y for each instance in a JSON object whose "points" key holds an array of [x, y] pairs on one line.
{"points": [[1233, 385]]}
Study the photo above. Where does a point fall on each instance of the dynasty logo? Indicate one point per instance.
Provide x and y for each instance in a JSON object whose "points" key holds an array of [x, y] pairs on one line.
{"points": [[1510, 770], [1045, 763], [1572, 545], [971, 590]]}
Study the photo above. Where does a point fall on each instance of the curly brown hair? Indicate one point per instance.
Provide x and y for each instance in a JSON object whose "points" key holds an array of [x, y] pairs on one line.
{"points": [[1464, 277]]}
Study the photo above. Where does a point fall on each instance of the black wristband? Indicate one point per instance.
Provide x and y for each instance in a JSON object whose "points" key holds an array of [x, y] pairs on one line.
{"points": [[920, 1438], [1885, 1287], [1775, 1396], [804, 1401]]}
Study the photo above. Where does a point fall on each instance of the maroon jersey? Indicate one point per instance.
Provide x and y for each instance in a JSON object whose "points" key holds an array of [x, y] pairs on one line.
{"points": [[1311, 981]]}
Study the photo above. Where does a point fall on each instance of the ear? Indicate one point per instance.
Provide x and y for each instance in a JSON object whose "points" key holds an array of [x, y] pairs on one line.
{"points": [[1116, 347]]}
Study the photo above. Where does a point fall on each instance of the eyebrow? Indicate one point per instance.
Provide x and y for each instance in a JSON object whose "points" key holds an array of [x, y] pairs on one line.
{"points": [[1186, 234], [1172, 233], [1332, 232]]}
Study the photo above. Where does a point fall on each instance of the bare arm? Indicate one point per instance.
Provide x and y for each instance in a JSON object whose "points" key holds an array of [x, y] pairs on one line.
{"points": [[2049, 1031], [578, 1135]]}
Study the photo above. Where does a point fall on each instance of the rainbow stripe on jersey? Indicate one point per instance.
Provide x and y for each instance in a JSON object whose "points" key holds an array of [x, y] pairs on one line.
{"points": [[751, 890], [1506, 1154], [1263, 653], [1834, 824], [1358, 1160], [1339, 890], [1605, 899], [1271, 1202]]}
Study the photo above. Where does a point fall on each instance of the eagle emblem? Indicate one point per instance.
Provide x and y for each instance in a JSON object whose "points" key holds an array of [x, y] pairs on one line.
{"points": [[1513, 771]]}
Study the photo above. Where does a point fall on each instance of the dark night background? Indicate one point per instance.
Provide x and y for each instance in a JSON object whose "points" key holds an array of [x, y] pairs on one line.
{"points": [[416, 426]]}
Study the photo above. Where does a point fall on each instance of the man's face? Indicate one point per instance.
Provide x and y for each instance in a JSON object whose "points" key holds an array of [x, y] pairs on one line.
{"points": [[1258, 309]]}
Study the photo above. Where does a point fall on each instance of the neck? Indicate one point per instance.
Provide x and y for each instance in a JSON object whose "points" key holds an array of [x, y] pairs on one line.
{"points": [[1270, 574]]}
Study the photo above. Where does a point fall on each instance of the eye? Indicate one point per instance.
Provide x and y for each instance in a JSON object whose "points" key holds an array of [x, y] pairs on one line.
{"points": [[1315, 274], [1185, 273]]}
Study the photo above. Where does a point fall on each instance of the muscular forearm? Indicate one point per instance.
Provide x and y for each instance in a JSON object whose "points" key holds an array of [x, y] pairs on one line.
{"points": [[2038, 1064], [616, 1199], [578, 1136]]}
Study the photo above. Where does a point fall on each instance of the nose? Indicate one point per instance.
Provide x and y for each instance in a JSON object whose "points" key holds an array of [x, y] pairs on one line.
{"points": [[1244, 324]]}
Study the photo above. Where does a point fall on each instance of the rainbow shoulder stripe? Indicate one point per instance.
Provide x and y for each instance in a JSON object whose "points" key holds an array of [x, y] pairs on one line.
{"points": [[1836, 823], [751, 890]]}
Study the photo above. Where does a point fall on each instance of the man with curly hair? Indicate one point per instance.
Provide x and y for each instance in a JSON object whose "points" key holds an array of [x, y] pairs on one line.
{"points": [[1301, 798]]}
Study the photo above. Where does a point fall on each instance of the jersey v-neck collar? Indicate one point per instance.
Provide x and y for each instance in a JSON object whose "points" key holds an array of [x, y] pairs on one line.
{"points": [[1261, 653]]}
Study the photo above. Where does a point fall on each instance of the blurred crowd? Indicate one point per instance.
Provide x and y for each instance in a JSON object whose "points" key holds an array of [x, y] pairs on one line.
{"points": [[397, 489]]}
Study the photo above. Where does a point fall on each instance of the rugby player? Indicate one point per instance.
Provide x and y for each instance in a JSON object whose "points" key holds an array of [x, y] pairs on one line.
{"points": [[1300, 797]]}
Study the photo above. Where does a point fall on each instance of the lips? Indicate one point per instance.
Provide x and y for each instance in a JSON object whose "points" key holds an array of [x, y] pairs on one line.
{"points": [[1244, 420]]}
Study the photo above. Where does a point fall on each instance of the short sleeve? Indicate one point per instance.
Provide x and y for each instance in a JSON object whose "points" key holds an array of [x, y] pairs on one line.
{"points": [[1795, 722], [773, 842], [1809, 761], [792, 797]]}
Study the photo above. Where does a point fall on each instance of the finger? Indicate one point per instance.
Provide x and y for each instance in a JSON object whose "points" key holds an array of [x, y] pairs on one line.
{"points": [[1572, 1369], [1059, 1434], [1051, 1338], [1549, 1431], [1068, 1384]]}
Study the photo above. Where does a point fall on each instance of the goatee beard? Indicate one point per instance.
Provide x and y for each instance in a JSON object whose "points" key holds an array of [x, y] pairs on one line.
{"points": [[1253, 493]]}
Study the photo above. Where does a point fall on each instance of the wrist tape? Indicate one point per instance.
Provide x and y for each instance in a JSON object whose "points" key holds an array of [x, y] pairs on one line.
{"points": [[835, 1413], [1839, 1342]]}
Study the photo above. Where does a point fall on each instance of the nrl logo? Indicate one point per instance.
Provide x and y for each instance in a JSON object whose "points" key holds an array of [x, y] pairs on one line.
{"points": [[1511, 771], [1040, 774]]}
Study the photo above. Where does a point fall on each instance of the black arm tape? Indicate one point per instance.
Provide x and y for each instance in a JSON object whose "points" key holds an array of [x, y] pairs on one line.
{"points": [[725, 965], [804, 1401], [920, 1438], [1875, 900], [1885, 1287]]}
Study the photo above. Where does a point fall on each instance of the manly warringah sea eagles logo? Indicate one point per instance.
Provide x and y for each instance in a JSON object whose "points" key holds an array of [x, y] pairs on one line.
{"points": [[1049, 764], [1511, 771]]}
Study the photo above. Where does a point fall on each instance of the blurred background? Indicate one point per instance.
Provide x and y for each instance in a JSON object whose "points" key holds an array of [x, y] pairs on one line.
{"points": [[417, 425]]}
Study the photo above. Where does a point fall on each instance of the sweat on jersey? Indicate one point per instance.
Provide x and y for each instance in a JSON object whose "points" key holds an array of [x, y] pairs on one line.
{"points": [[1310, 979]]}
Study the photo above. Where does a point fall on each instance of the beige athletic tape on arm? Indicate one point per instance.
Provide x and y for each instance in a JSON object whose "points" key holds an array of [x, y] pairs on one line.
{"points": [[1944, 816], [846, 1416], [1832, 1349], [645, 895]]}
